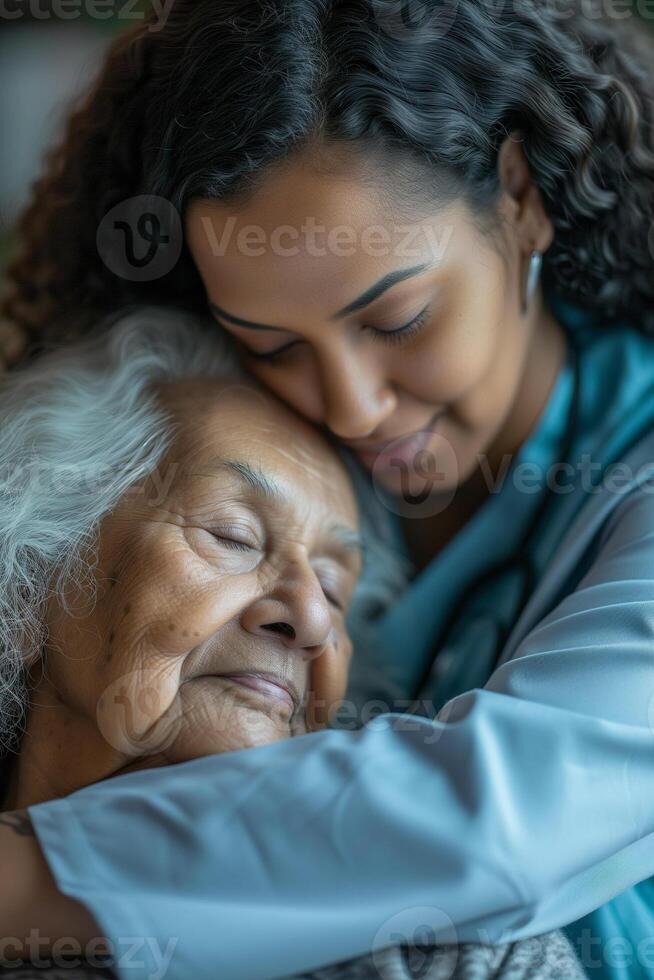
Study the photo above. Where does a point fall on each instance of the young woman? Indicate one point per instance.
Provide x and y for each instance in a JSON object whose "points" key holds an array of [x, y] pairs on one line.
{"points": [[432, 236], [172, 637]]}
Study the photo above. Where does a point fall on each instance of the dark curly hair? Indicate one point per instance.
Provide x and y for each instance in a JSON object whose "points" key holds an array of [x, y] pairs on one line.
{"points": [[201, 107]]}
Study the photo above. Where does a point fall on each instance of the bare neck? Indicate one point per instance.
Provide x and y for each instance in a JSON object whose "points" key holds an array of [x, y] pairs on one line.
{"points": [[425, 538]]}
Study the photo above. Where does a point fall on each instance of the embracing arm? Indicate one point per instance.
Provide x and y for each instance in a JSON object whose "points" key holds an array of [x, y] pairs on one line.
{"points": [[29, 897], [528, 807]]}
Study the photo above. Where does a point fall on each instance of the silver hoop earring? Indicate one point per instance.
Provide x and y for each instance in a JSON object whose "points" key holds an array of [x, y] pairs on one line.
{"points": [[533, 275]]}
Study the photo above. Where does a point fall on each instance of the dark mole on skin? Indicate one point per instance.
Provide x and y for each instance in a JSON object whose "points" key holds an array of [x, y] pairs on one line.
{"points": [[111, 636], [171, 627]]}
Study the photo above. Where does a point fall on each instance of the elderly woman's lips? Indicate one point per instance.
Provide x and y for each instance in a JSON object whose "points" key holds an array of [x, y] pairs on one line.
{"points": [[265, 685]]}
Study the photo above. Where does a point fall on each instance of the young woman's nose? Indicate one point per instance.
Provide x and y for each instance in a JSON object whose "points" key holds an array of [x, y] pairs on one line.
{"points": [[357, 398], [296, 615]]}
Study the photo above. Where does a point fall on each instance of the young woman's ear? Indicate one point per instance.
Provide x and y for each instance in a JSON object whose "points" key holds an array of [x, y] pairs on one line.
{"points": [[522, 201]]}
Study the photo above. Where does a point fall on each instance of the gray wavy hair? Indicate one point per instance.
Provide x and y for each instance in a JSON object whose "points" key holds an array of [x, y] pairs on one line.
{"points": [[78, 427]]}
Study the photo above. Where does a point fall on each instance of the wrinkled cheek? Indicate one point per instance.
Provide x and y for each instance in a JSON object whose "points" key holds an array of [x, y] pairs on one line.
{"points": [[211, 725], [299, 725], [139, 712], [185, 621]]}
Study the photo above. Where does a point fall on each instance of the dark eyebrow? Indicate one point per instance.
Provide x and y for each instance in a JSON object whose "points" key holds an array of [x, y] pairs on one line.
{"points": [[365, 299], [237, 320]]}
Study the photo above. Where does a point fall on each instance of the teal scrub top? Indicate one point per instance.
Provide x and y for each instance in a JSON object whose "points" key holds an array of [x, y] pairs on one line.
{"points": [[526, 803]]}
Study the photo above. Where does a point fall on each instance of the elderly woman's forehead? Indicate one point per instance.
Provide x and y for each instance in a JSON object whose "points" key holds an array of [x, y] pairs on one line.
{"points": [[227, 417], [218, 409]]}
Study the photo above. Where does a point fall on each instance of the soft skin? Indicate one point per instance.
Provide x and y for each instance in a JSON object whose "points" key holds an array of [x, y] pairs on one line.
{"points": [[222, 575], [476, 357]]}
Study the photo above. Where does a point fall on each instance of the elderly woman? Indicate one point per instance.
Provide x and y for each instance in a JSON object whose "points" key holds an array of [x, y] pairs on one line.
{"points": [[223, 565], [175, 577]]}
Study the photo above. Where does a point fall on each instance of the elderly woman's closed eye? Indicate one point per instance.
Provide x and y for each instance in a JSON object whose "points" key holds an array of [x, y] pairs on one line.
{"points": [[176, 566]]}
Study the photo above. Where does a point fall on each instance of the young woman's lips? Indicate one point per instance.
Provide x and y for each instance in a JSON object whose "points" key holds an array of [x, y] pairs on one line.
{"points": [[400, 450], [265, 686]]}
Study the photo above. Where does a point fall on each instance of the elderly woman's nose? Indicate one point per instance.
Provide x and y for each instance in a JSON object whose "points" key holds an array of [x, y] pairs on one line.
{"points": [[297, 617]]}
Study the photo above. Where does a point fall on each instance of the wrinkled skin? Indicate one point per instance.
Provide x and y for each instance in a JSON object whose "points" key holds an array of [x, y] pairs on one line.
{"points": [[210, 577]]}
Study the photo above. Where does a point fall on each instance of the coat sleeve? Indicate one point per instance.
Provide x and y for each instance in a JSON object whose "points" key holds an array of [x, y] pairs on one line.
{"points": [[522, 807]]}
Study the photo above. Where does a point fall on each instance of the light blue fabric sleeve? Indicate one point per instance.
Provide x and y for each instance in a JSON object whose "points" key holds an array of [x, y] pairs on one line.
{"points": [[525, 805]]}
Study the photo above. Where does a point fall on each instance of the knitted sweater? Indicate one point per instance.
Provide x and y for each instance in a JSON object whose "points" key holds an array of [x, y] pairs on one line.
{"points": [[547, 957]]}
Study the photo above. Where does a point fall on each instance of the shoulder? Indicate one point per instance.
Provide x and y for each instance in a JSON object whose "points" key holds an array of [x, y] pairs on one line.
{"points": [[617, 379], [592, 649], [627, 536], [612, 447]]}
